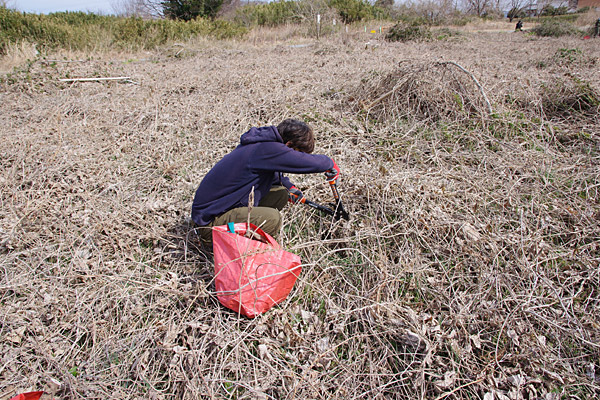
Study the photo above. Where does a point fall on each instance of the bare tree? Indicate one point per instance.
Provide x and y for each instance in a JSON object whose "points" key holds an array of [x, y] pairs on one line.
{"points": [[515, 7], [308, 9], [138, 8], [479, 7], [435, 10], [229, 7]]}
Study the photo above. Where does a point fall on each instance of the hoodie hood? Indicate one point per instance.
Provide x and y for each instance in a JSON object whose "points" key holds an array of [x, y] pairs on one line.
{"points": [[258, 162], [262, 134]]}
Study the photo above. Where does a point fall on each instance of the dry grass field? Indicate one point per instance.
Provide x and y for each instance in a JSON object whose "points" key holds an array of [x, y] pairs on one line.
{"points": [[469, 268]]}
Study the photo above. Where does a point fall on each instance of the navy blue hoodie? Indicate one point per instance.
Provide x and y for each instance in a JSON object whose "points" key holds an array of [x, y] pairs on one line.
{"points": [[258, 162]]}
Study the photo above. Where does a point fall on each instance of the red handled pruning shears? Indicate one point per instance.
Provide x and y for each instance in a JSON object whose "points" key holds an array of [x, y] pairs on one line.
{"points": [[337, 211]]}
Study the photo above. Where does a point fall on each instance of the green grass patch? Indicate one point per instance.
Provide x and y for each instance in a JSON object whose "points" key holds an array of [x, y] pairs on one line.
{"points": [[571, 18], [87, 31], [402, 32], [270, 14], [555, 27], [570, 95]]}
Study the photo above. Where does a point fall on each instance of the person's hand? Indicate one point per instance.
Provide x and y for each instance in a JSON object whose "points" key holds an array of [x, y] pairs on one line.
{"points": [[333, 174], [295, 195]]}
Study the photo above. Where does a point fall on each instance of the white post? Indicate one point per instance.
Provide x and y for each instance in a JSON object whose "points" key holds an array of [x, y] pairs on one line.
{"points": [[318, 25]]}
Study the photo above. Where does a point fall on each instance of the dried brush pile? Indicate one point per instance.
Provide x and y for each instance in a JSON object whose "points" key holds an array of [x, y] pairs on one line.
{"points": [[402, 32], [426, 91], [555, 28], [565, 88], [469, 268], [568, 96]]}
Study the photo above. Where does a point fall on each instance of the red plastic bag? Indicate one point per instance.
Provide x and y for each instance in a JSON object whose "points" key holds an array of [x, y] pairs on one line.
{"points": [[28, 396], [251, 276]]}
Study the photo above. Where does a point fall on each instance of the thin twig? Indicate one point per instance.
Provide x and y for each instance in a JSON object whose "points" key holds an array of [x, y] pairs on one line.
{"points": [[487, 101], [249, 232], [116, 78], [443, 396]]}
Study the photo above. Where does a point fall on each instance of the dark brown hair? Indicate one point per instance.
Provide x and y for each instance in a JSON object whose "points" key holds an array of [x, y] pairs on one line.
{"points": [[298, 134]]}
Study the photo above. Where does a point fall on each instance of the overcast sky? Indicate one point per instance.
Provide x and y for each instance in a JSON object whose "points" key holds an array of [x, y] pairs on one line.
{"points": [[48, 6]]}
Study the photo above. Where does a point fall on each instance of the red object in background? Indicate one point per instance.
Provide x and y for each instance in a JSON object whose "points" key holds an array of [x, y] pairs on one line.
{"points": [[586, 37], [251, 276], [28, 396]]}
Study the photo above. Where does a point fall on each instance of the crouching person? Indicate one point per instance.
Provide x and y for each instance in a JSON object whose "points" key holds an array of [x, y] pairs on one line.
{"points": [[259, 161]]}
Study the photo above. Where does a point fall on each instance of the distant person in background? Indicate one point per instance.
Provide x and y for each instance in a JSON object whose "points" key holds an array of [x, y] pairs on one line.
{"points": [[597, 28], [519, 26]]}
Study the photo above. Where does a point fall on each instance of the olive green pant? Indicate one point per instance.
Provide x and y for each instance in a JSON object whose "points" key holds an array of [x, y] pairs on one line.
{"points": [[266, 215]]}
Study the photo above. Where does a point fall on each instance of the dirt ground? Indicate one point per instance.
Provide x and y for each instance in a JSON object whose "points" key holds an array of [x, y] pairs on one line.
{"points": [[469, 268]]}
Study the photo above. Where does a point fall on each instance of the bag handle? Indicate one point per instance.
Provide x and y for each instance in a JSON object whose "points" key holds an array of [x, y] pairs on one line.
{"points": [[256, 230], [239, 227]]}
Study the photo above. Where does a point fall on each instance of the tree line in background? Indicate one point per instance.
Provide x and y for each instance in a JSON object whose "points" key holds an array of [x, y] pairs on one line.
{"points": [[348, 11], [150, 23]]}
